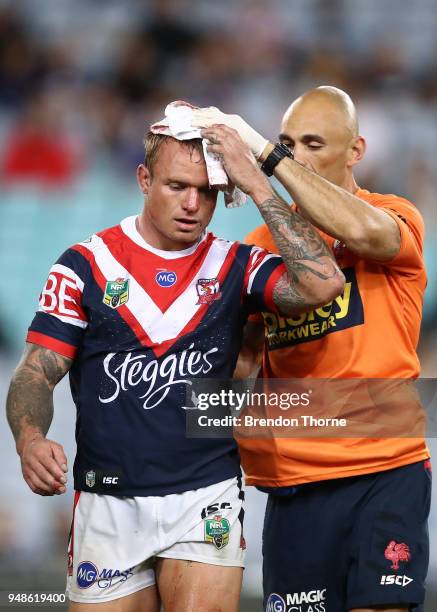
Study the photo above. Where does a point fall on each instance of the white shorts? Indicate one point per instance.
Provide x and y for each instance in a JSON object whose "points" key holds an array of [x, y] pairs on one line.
{"points": [[115, 540]]}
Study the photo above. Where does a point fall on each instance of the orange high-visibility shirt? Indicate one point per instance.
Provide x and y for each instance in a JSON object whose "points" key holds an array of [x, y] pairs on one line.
{"points": [[370, 331]]}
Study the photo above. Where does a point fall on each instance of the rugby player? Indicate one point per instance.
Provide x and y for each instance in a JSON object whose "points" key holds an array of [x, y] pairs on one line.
{"points": [[346, 519], [133, 313]]}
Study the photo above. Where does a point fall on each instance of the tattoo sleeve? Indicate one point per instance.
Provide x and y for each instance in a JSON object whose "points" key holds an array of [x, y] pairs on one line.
{"points": [[30, 398], [311, 267]]}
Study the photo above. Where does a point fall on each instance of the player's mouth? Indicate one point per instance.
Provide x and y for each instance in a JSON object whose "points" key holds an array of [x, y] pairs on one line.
{"points": [[186, 224]]}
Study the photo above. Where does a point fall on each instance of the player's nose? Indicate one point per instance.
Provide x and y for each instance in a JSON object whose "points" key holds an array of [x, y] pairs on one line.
{"points": [[192, 200]]}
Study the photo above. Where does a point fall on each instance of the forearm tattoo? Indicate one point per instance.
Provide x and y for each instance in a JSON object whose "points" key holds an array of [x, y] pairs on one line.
{"points": [[305, 254], [30, 397]]}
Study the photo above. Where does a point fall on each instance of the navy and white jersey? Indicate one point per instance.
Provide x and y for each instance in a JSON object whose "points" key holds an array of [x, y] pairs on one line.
{"points": [[139, 323]]}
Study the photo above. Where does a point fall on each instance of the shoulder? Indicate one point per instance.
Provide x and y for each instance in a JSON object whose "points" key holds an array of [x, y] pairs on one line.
{"points": [[98, 241], [221, 247], [403, 208]]}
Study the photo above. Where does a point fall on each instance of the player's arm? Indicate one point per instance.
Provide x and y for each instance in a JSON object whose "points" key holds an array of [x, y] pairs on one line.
{"points": [[29, 408], [367, 231], [250, 356], [312, 277]]}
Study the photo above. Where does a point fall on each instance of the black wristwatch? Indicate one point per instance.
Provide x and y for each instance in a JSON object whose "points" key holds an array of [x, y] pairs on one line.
{"points": [[279, 152]]}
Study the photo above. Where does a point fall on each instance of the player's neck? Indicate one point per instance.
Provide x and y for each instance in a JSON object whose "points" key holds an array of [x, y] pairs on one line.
{"points": [[161, 243]]}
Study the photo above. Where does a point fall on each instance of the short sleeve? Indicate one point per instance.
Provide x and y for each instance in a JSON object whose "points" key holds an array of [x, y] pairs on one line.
{"points": [[411, 228], [61, 320], [262, 272]]}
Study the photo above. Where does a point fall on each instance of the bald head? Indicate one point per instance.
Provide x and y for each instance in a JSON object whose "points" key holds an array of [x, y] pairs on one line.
{"points": [[332, 101], [322, 128]]}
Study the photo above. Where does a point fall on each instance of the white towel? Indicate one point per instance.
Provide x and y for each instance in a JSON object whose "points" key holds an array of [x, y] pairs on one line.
{"points": [[177, 123]]}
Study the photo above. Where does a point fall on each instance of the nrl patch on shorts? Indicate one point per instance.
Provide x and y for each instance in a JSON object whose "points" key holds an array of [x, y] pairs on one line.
{"points": [[116, 292], [217, 531]]}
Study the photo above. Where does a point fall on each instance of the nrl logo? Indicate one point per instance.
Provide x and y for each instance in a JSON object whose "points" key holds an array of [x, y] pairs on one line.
{"points": [[217, 531], [116, 292], [90, 479], [208, 290]]}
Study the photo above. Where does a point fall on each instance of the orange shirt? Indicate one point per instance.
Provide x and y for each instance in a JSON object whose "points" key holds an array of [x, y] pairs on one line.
{"points": [[370, 331]]}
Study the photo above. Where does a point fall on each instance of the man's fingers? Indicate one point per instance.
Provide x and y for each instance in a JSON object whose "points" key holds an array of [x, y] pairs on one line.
{"points": [[48, 458], [59, 457], [49, 471], [216, 148], [219, 129], [41, 480], [39, 486]]}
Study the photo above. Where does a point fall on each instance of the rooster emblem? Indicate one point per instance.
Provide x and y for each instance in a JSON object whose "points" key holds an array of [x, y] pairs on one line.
{"points": [[397, 552], [208, 290]]}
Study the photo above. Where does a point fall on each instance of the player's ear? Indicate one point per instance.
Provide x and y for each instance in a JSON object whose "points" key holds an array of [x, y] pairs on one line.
{"points": [[143, 178], [357, 150]]}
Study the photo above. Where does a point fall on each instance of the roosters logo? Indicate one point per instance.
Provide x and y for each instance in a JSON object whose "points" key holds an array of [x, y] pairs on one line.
{"points": [[208, 290], [396, 553]]}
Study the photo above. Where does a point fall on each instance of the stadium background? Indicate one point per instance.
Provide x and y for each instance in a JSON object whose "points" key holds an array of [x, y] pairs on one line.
{"points": [[79, 83]]}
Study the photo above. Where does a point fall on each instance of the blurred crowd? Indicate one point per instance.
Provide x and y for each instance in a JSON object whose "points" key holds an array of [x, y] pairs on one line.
{"points": [[80, 81]]}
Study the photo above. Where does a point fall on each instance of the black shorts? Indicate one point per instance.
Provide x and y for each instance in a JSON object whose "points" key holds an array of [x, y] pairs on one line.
{"points": [[349, 543]]}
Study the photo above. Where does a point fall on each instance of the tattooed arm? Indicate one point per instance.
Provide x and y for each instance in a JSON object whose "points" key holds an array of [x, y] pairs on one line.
{"points": [[29, 409], [313, 277]]}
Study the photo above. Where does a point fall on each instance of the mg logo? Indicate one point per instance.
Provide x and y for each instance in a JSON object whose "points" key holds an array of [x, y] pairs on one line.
{"points": [[166, 278], [87, 574], [275, 603]]}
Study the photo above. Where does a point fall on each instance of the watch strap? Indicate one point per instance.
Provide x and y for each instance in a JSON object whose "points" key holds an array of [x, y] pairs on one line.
{"points": [[279, 152]]}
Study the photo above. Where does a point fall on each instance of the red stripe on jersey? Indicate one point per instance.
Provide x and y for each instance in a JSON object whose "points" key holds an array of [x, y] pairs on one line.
{"points": [[145, 265], [270, 285], [256, 258], [63, 348], [123, 311], [71, 538], [126, 314], [83, 251], [194, 322]]}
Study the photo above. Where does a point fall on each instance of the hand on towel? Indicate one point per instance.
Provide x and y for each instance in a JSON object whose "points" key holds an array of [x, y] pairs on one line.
{"points": [[206, 117], [238, 161]]}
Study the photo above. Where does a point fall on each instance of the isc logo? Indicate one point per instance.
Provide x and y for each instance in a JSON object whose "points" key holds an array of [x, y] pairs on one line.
{"points": [[393, 579], [110, 480], [213, 508], [166, 278]]}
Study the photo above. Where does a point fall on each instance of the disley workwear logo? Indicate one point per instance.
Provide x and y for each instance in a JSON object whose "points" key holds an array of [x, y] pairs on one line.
{"points": [[343, 312]]}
